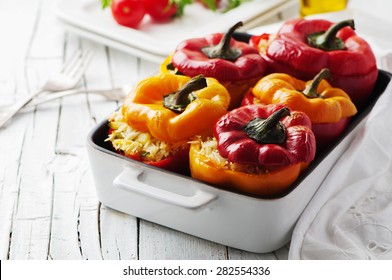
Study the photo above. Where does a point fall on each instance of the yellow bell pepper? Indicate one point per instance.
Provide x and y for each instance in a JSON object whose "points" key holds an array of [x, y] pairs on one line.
{"points": [[174, 107]]}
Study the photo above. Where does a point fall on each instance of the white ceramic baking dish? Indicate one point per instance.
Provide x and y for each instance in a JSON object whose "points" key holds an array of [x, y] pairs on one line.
{"points": [[249, 223]]}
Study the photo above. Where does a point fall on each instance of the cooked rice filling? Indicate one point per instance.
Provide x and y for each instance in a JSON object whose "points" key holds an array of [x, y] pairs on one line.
{"points": [[209, 149], [132, 142]]}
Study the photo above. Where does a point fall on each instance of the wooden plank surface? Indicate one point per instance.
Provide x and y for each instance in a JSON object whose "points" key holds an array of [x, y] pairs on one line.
{"points": [[48, 205]]}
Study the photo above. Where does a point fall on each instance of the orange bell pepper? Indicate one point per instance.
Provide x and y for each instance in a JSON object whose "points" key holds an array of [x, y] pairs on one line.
{"points": [[174, 107]]}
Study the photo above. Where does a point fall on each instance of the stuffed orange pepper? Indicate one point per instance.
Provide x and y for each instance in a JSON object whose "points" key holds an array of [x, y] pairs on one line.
{"points": [[162, 113]]}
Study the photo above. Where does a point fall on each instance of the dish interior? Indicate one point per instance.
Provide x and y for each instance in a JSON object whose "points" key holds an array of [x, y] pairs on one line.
{"points": [[97, 137]]}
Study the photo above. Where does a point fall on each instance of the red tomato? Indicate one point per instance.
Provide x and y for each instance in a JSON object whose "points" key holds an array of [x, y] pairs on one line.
{"points": [[161, 10], [128, 12]]}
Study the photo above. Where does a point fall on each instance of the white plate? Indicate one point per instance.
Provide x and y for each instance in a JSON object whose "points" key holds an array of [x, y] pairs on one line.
{"points": [[151, 40]]}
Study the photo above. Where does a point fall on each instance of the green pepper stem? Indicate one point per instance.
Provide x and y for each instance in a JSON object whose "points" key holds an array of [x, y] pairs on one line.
{"points": [[223, 49], [327, 40], [177, 101], [311, 89], [196, 83], [270, 130]]}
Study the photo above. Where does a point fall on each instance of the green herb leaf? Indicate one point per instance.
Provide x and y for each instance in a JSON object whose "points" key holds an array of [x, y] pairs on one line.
{"points": [[105, 3], [232, 4], [211, 4], [180, 6]]}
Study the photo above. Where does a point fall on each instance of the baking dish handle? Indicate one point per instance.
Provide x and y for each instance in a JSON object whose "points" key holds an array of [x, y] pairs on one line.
{"points": [[130, 179]]}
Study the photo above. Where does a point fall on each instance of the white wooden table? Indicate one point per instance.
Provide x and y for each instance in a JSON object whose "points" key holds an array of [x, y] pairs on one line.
{"points": [[48, 205]]}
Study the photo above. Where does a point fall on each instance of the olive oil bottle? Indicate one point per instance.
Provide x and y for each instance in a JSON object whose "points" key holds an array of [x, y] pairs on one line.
{"points": [[309, 7]]}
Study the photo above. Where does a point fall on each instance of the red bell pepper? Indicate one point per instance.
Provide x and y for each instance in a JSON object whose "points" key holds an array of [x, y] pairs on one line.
{"points": [[265, 135], [234, 64], [250, 99], [179, 162], [302, 47], [325, 132]]}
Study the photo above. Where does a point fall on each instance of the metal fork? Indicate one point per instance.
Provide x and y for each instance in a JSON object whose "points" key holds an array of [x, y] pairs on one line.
{"points": [[114, 94], [68, 77]]}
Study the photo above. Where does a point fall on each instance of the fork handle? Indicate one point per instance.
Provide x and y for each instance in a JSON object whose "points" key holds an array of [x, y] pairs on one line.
{"points": [[15, 108], [65, 93]]}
